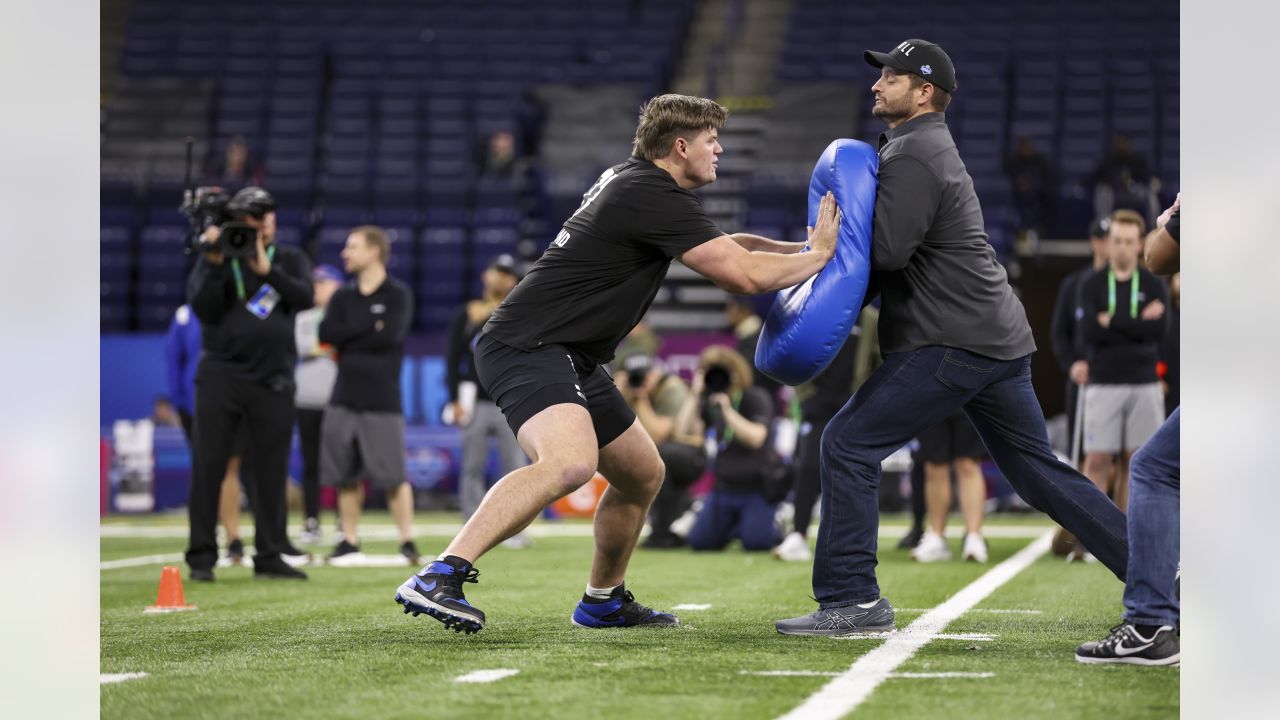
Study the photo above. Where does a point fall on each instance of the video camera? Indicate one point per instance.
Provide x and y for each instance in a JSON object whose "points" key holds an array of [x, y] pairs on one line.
{"points": [[637, 367], [717, 379], [211, 206]]}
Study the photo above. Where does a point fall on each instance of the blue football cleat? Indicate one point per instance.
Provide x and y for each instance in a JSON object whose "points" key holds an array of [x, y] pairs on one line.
{"points": [[620, 610], [437, 591]]}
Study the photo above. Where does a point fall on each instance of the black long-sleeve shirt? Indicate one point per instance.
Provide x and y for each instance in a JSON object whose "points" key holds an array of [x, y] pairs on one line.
{"points": [[459, 363], [1065, 335], [1127, 351], [238, 343], [369, 355]]}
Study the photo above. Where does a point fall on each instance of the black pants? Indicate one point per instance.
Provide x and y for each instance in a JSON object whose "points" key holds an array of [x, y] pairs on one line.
{"points": [[917, 491], [309, 422], [225, 407], [808, 478], [685, 464]]}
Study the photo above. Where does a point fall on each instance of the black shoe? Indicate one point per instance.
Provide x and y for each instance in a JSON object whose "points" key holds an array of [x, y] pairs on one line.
{"points": [[437, 591], [620, 610], [345, 554], [276, 569], [912, 538], [200, 575], [663, 542], [235, 552], [1126, 645], [847, 620], [410, 551]]}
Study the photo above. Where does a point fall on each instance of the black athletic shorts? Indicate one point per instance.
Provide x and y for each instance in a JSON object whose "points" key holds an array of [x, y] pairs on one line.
{"points": [[524, 384], [950, 439]]}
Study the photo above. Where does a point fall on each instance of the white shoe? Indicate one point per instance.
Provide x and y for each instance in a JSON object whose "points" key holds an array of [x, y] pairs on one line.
{"points": [[519, 541], [1081, 555], [975, 548], [794, 548], [932, 548]]}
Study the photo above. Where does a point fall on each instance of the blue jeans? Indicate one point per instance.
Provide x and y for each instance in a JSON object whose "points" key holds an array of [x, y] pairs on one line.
{"points": [[911, 392], [729, 514], [1154, 491]]}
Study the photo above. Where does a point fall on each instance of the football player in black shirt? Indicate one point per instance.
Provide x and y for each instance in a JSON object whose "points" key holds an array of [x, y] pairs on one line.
{"points": [[541, 355]]}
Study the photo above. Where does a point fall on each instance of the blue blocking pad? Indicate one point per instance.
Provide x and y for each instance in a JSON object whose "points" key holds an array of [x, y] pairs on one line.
{"points": [[809, 323]]}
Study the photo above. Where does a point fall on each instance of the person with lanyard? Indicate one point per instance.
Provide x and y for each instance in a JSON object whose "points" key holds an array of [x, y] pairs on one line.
{"points": [[245, 378], [1148, 634], [1124, 318], [725, 405], [954, 337]]}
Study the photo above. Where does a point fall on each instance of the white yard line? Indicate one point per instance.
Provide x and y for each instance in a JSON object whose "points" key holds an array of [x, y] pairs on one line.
{"points": [[485, 676], [692, 606], [108, 678], [137, 561], [848, 690]]}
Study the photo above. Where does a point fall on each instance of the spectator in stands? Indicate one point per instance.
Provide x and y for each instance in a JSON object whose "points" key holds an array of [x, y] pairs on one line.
{"points": [[1124, 318], [952, 444], [657, 397], [499, 160], [471, 408], [244, 384], [746, 324], [236, 170], [1152, 612], [820, 399], [362, 433], [1031, 177], [1068, 347], [724, 403], [1170, 347], [317, 370], [1123, 180]]}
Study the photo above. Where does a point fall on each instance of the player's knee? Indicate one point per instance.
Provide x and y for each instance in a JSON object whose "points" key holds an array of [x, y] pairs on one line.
{"points": [[573, 474], [843, 449]]}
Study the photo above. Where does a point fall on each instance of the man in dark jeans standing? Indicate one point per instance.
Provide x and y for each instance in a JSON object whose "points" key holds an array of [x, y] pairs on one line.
{"points": [[246, 309], [954, 337]]}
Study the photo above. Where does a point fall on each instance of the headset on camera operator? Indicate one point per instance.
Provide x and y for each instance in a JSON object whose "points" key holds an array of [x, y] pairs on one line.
{"points": [[656, 397], [750, 477], [246, 291]]}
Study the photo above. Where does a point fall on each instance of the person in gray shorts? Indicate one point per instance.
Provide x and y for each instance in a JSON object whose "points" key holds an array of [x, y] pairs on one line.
{"points": [[363, 429], [1123, 318]]}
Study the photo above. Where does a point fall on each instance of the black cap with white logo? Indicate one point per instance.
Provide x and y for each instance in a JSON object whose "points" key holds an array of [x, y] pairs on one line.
{"points": [[919, 57]]}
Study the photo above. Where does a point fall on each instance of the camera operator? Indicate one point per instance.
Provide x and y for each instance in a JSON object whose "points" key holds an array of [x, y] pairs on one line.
{"points": [[246, 308], [656, 398], [748, 472]]}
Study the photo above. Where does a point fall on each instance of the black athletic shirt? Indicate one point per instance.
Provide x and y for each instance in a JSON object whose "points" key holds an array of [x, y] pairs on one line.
{"points": [[598, 277], [369, 357], [1126, 352]]}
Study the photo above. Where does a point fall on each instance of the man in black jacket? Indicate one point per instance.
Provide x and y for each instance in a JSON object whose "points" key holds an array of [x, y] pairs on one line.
{"points": [[246, 309], [362, 434]]}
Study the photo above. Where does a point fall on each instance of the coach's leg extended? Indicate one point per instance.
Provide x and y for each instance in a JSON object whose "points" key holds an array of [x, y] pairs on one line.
{"points": [[562, 444], [634, 470]]}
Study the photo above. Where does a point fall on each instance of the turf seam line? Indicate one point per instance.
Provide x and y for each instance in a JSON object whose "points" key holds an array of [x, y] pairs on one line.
{"points": [[845, 692]]}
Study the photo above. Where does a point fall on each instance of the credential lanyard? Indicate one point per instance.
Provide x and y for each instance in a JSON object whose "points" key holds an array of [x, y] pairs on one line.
{"points": [[271, 255], [1111, 293], [728, 429]]}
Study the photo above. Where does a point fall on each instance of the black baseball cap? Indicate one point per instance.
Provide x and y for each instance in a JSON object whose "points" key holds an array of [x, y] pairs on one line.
{"points": [[507, 264], [1099, 227], [919, 57]]}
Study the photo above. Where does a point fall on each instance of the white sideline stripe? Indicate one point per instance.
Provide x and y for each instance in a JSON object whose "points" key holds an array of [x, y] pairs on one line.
{"points": [[994, 611], [692, 606], [846, 691], [908, 675], [485, 676], [108, 678], [137, 561], [968, 637], [546, 529]]}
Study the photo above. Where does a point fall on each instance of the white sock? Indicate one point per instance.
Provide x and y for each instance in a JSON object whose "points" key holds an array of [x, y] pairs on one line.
{"points": [[871, 604], [600, 593]]}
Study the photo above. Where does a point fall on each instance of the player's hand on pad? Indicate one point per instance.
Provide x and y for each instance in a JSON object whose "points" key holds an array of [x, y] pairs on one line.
{"points": [[825, 231]]}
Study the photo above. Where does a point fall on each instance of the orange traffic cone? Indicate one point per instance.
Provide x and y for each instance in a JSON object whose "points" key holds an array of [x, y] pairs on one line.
{"points": [[170, 598]]}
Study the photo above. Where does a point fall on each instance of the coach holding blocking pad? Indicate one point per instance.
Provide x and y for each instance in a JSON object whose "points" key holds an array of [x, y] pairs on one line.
{"points": [[954, 337]]}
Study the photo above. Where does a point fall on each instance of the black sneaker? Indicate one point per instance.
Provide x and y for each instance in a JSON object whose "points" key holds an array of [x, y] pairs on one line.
{"points": [[202, 575], [292, 555], [410, 552], [276, 569], [912, 538], [847, 620], [437, 591], [235, 552], [1126, 645], [345, 554], [620, 610]]}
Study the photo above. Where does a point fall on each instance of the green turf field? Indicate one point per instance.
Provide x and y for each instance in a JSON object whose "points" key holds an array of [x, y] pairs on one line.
{"points": [[339, 646]]}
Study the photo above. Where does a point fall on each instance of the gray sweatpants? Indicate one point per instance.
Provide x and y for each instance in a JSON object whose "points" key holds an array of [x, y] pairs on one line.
{"points": [[487, 422]]}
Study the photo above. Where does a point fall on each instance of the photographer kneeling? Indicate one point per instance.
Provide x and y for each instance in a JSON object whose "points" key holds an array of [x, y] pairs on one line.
{"points": [[246, 292], [656, 398], [748, 472]]}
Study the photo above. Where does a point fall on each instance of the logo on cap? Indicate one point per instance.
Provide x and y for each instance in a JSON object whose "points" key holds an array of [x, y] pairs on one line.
{"points": [[926, 70]]}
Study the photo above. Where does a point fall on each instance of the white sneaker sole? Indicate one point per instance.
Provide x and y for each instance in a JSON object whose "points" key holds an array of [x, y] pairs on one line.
{"points": [[1172, 660], [348, 560], [415, 602]]}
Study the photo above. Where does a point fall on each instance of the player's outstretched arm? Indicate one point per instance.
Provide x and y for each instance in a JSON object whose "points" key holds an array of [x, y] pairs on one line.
{"points": [[732, 267]]}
